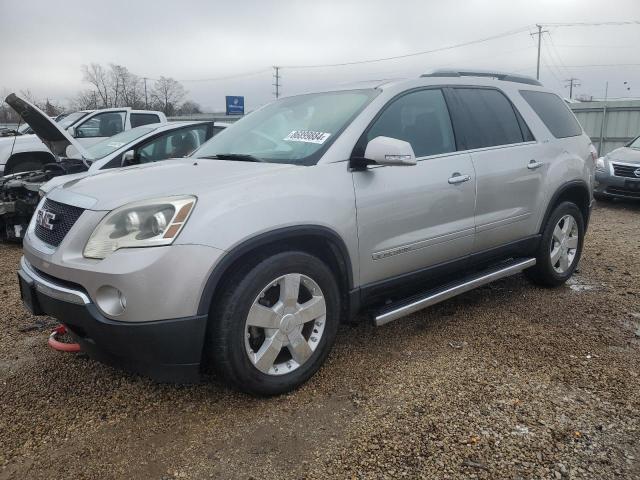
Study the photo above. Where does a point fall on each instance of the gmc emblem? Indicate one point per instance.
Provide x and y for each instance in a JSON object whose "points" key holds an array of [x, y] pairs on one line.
{"points": [[45, 219]]}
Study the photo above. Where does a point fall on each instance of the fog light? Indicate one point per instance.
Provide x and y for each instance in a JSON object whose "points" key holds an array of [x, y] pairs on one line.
{"points": [[111, 300]]}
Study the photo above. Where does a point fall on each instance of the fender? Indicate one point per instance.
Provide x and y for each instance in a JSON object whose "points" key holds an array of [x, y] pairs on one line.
{"points": [[262, 239], [559, 192]]}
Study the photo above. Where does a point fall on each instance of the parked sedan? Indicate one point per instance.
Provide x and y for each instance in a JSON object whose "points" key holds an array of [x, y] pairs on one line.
{"points": [[618, 173], [20, 193]]}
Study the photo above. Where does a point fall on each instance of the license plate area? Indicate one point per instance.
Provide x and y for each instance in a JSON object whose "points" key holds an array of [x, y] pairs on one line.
{"points": [[29, 296], [633, 185]]}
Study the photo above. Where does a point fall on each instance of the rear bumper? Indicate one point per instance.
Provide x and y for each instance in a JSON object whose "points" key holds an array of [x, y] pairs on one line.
{"points": [[164, 350]]}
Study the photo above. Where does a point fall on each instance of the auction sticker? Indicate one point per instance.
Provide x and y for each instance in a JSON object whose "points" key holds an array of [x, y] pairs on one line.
{"points": [[115, 144], [307, 136]]}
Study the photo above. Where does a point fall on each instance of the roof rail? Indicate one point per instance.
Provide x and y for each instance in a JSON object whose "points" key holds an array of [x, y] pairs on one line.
{"points": [[507, 77]]}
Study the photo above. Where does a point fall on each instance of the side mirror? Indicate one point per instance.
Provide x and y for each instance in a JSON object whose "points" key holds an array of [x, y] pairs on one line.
{"points": [[129, 158], [386, 151], [72, 131]]}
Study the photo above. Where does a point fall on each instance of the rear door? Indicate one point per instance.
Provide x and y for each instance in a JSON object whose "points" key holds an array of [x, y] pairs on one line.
{"points": [[508, 164], [411, 218]]}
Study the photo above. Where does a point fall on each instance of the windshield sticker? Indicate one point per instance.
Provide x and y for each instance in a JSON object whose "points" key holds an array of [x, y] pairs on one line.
{"points": [[115, 144], [307, 136]]}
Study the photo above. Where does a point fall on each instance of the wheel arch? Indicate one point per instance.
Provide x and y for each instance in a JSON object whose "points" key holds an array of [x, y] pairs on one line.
{"points": [[16, 158], [318, 240], [575, 191]]}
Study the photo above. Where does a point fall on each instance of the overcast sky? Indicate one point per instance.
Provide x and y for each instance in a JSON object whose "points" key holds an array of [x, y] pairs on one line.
{"points": [[43, 43]]}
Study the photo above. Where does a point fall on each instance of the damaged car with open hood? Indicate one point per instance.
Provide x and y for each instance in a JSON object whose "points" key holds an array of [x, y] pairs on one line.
{"points": [[20, 192]]}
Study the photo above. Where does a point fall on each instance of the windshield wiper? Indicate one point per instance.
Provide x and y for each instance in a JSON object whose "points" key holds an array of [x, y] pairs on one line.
{"points": [[241, 157]]}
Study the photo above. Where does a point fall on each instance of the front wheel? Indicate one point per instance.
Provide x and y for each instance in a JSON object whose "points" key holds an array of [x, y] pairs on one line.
{"points": [[274, 324], [560, 247]]}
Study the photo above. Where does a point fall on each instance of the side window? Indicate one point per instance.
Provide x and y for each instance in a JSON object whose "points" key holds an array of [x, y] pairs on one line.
{"points": [[553, 112], [174, 144], [490, 119], [139, 119], [105, 124], [420, 118]]}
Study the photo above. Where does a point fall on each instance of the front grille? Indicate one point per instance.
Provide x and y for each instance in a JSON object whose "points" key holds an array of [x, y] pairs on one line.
{"points": [[64, 218], [625, 170]]}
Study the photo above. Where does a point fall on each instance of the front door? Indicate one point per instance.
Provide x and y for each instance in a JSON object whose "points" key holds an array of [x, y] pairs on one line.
{"points": [[414, 217]]}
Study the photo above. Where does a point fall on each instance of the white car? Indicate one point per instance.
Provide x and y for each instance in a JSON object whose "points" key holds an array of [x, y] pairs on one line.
{"points": [[26, 152], [19, 192]]}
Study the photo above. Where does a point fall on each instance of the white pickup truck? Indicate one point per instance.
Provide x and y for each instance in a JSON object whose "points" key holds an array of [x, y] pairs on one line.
{"points": [[22, 153]]}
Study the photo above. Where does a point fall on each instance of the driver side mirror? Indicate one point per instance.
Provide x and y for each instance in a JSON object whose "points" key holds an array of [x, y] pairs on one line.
{"points": [[129, 158], [72, 132], [386, 151]]}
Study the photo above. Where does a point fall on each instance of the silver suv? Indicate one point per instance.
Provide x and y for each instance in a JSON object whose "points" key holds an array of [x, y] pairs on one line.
{"points": [[245, 257]]}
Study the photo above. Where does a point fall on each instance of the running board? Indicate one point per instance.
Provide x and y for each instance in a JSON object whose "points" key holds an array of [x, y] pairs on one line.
{"points": [[404, 307]]}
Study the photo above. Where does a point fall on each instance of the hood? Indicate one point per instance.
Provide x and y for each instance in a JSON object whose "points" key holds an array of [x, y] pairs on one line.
{"points": [[624, 154], [55, 138], [109, 189]]}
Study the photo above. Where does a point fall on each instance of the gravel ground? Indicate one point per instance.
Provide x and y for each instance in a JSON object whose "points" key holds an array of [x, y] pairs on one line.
{"points": [[508, 381]]}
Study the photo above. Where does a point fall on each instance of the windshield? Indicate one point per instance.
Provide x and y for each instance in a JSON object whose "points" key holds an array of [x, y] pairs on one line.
{"points": [[111, 144], [72, 118], [295, 130], [635, 144]]}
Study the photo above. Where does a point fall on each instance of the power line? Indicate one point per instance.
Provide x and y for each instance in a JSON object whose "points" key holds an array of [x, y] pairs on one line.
{"points": [[414, 54], [591, 24]]}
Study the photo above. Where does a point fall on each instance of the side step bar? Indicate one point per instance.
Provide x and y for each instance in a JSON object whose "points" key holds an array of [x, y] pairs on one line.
{"points": [[408, 306]]}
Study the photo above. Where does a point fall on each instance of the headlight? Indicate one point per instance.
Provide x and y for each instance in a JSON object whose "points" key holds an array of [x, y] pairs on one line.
{"points": [[600, 164], [141, 224]]}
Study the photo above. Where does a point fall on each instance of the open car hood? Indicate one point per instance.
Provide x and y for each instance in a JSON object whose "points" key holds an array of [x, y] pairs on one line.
{"points": [[54, 137]]}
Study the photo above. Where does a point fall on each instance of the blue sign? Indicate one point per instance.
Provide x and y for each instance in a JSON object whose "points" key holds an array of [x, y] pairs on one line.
{"points": [[235, 105]]}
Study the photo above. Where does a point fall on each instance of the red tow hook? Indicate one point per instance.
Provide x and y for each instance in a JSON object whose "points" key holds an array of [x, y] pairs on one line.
{"points": [[60, 346]]}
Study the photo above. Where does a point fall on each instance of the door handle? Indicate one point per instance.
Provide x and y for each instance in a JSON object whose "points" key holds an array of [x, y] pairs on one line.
{"points": [[532, 165], [458, 178]]}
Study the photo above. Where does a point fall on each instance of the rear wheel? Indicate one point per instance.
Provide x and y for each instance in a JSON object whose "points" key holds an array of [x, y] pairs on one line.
{"points": [[275, 323], [560, 248]]}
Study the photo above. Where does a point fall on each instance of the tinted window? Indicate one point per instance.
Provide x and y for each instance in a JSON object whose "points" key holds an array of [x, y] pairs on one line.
{"points": [[489, 118], [420, 118], [138, 119], [554, 113]]}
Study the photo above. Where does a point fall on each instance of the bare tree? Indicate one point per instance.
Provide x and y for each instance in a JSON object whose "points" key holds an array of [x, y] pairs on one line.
{"points": [[189, 107], [96, 75], [167, 94]]}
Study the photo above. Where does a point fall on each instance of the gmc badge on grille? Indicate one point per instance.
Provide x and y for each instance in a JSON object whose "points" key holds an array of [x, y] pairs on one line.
{"points": [[45, 219]]}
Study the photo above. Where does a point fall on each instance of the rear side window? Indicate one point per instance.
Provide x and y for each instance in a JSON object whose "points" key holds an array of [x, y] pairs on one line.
{"points": [[138, 119], [489, 119], [553, 112], [420, 118]]}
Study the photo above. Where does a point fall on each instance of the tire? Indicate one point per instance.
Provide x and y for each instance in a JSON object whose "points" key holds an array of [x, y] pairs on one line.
{"points": [[234, 347], [546, 272], [26, 165]]}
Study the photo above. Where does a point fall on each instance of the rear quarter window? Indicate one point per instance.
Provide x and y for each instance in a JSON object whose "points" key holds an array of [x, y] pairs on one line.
{"points": [[553, 112], [138, 119]]}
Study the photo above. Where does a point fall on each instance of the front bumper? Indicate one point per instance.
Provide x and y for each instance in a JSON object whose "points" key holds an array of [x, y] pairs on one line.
{"points": [[164, 350], [608, 185]]}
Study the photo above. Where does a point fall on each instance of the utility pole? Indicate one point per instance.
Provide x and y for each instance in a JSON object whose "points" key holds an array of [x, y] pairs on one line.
{"points": [[277, 78], [146, 101], [539, 34], [572, 82]]}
